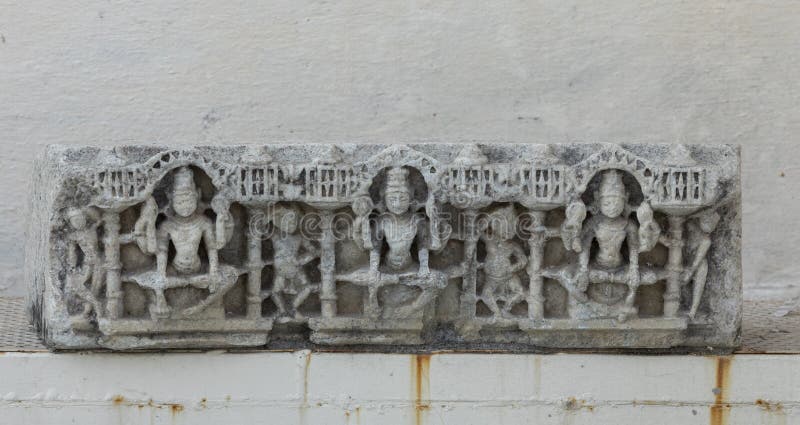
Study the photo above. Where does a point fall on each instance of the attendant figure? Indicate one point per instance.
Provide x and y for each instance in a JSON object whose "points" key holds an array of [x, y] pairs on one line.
{"points": [[504, 260], [699, 242], [83, 261], [292, 253]]}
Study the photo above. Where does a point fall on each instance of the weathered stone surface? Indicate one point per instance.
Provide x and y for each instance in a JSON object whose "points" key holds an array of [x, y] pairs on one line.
{"points": [[507, 246]]}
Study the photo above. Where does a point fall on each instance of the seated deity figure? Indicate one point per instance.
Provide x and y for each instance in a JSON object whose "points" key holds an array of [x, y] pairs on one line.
{"points": [[504, 259], [83, 239], [611, 227], [400, 228], [187, 228], [393, 275], [292, 252]]}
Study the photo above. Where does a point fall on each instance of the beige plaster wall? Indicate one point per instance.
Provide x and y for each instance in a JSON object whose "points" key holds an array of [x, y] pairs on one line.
{"points": [[113, 72]]}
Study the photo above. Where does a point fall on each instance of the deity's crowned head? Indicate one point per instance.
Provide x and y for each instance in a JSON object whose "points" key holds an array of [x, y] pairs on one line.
{"points": [[184, 193], [708, 221], [397, 194], [502, 222], [286, 218], [76, 218], [612, 195]]}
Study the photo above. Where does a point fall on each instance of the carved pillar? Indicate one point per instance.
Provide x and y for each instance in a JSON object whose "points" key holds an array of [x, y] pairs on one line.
{"points": [[536, 242], [327, 265], [469, 296], [113, 264], [254, 266], [674, 266]]}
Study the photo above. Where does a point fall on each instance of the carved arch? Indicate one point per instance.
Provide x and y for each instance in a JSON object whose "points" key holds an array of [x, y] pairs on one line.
{"points": [[401, 155], [140, 180], [160, 165], [614, 157]]}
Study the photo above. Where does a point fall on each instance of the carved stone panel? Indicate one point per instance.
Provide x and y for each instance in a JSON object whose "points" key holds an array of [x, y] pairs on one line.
{"points": [[459, 246]]}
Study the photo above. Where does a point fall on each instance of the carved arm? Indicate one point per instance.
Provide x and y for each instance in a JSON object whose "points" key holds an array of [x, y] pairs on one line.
{"points": [[423, 261], [311, 252], [519, 256], [72, 256], [633, 254], [649, 230], [573, 225], [424, 241], [699, 256], [582, 275], [211, 249], [162, 249]]}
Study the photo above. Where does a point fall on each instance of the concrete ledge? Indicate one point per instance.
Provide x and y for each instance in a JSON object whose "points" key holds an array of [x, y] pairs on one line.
{"points": [[301, 387], [331, 388]]}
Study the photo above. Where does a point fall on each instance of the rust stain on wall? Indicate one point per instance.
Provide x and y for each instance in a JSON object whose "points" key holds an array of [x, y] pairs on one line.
{"points": [[537, 375], [576, 404], [305, 379], [421, 366], [720, 410], [768, 406], [304, 405], [119, 400], [772, 413]]}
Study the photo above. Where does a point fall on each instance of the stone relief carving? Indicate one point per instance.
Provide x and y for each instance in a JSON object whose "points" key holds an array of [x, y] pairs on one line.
{"points": [[292, 253], [606, 277], [496, 245], [700, 242], [84, 264], [392, 272], [504, 260]]}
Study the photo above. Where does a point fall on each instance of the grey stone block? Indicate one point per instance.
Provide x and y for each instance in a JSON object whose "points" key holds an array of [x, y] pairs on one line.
{"points": [[521, 247]]}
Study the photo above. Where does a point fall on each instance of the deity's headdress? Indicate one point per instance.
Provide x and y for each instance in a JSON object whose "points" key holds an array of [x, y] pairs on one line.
{"points": [[397, 180], [279, 211], [504, 213], [612, 185], [74, 211], [708, 220], [184, 180], [502, 219]]}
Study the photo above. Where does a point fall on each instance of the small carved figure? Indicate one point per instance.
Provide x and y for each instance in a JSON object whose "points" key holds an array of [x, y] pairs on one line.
{"points": [[504, 259], [362, 207], [571, 228], [144, 231], [699, 243], [292, 252], [186, 229], [649, 230], [611, 227], [400, 228], [88, 265]]}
